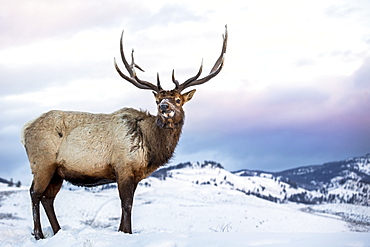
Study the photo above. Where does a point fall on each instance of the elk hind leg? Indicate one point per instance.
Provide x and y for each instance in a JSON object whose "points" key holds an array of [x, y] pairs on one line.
{"points": [[36, 198], [47, 201], [40, 182]]}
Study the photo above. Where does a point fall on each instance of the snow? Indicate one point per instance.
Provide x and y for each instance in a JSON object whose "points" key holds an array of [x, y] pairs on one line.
{"points": [[90, 237], [264, 184], [180, 212], [364, 166]]}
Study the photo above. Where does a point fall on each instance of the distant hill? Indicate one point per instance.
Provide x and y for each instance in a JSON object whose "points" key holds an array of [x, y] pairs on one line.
{"points": [[4, 181], [326, 175], [346, 181], [10, 183], [163, 172]]}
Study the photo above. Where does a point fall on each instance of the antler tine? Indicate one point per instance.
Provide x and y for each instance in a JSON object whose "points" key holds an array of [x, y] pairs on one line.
{"points": [[133, 64], [223, 52], [188, 80], [131, 70], [174, 80], [159, 83], [134, 82], [214, 71]]}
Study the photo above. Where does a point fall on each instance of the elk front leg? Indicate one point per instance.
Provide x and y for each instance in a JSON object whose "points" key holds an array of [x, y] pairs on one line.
{"points": [[126, 188]]}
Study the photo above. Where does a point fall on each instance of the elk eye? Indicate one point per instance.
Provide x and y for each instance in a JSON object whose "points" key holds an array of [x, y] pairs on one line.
{"points": [[157, 101], [178, 101]]}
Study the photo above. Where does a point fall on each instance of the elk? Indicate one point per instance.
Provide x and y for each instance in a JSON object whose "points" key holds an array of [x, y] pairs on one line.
{"points": [[125, 146]]}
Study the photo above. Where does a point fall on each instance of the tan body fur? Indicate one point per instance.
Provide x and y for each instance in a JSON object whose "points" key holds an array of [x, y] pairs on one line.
{"points": [[87, 149]]}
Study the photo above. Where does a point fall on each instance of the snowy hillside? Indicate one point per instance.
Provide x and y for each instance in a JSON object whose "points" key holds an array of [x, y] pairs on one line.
{"points": [[346, 181], [198, 205], [210, 173]]}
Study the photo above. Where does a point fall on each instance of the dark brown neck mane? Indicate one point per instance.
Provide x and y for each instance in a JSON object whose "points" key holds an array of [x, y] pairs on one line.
{"points": [[163, 144]]}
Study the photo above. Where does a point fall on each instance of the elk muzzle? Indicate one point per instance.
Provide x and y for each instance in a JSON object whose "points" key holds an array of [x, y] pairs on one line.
{"points": [[166, 108]]}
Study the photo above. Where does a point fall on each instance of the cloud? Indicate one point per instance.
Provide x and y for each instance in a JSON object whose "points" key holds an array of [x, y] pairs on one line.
{"points": [[304, 62], [341, 11], [18, 79], [362, 76], [165, 16], [30, 21]]}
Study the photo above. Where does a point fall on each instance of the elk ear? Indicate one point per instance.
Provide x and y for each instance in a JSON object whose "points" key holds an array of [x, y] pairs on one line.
{"points": [[155, 94], [187, 96]]}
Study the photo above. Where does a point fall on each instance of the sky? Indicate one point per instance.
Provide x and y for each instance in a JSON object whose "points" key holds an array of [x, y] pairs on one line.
{"points": [[294, 90]]}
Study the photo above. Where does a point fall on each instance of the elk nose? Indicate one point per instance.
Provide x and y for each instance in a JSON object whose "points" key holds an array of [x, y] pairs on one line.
{"points": [[164, 107]]}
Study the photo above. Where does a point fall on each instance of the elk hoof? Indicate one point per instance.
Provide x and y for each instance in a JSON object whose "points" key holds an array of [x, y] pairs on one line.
{"points": [[38, 235]]}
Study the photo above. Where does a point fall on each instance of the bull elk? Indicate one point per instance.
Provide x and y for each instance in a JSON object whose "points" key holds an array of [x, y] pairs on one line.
{"points": [[89, 149]]}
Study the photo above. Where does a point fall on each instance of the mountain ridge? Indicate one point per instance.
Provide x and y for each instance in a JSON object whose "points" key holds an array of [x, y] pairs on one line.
{"points": [[316, 177], [346, 181]]}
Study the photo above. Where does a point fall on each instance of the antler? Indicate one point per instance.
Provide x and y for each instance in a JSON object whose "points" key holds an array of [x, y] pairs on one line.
{"points": [[215, 70], [179, 87], [131, 70]]}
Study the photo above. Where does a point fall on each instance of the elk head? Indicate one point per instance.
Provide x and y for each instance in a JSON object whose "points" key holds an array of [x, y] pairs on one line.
{"points": [[170, 102]]}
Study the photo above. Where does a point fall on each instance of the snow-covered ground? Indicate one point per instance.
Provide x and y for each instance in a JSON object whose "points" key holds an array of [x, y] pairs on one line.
{"points": [[180, 212]]}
